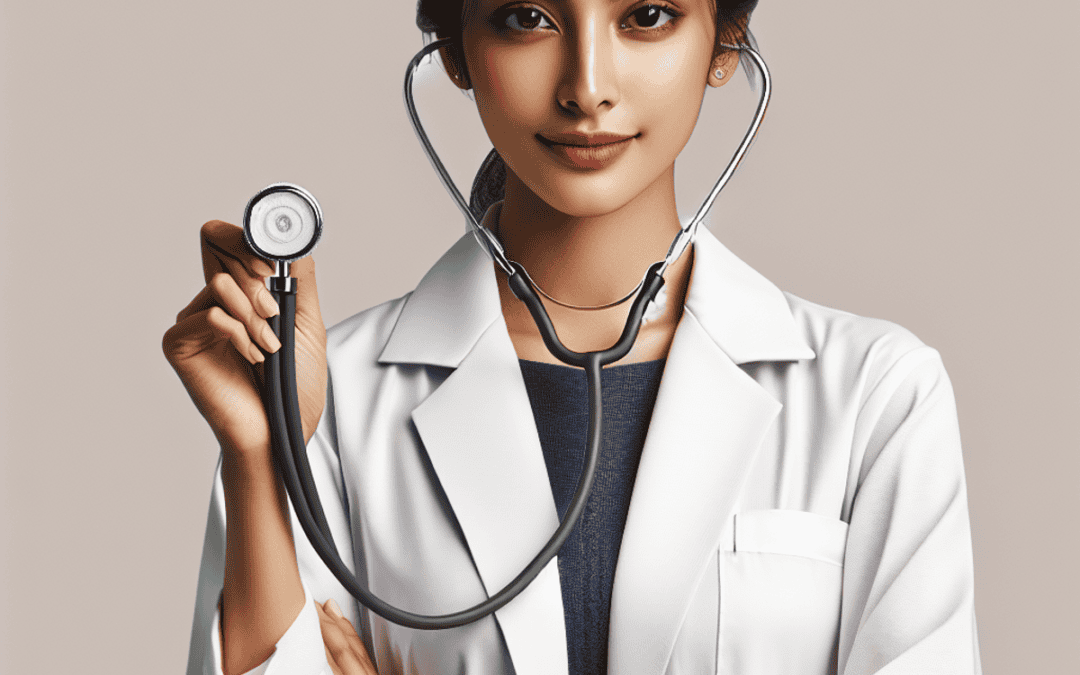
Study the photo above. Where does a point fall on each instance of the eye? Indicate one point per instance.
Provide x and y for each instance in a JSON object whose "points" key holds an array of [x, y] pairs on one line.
{"points": [[525, 19], [650, 17]]}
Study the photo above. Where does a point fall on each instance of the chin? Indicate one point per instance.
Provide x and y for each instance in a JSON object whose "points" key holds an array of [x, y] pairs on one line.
{"points": [[585, 195]]}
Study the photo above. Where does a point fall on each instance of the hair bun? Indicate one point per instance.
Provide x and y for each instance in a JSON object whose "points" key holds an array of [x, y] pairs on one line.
{"points": [[489, 186]]}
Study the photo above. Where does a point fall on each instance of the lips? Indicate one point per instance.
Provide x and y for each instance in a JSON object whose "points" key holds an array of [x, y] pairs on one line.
{"points": [[586, 150]]}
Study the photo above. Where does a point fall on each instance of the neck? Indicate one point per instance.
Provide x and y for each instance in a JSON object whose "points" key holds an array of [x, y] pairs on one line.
{"points": [[588, 260]]}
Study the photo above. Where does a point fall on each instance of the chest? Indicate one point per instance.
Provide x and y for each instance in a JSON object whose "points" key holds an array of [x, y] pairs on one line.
{"points": [[720, 564]]}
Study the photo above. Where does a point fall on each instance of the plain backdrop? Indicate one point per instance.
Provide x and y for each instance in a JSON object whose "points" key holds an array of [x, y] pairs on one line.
{"points": [[915, 165]]}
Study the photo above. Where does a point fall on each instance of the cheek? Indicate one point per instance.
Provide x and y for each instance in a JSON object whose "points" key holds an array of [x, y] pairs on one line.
{"points": [[668, 92], [668, 65], [510, 95]]}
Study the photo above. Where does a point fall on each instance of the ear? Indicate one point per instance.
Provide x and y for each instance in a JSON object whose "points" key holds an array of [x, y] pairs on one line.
{"points": [[454, 62], [725, 62]]}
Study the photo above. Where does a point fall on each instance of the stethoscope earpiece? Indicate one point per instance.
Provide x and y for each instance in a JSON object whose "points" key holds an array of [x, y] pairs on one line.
{"points": [[283, 222]]}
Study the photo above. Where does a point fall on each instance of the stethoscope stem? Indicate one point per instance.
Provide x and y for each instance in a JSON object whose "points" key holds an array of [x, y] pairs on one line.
{"points": [[281, 282]]}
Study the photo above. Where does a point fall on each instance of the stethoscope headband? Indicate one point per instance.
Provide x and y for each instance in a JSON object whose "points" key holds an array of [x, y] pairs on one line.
{"points": [[488, 240]]}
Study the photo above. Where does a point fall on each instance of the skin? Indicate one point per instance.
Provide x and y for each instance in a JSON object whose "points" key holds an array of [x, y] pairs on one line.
{"points": [[212, 346], [344, 650], [586, 236]]}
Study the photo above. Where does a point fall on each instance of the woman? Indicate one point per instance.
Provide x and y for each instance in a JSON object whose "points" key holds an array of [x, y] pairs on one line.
{"points": [[797, 506]]}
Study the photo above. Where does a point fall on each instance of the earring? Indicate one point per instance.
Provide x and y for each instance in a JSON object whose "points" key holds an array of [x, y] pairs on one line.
{"points": [[719, 74]]}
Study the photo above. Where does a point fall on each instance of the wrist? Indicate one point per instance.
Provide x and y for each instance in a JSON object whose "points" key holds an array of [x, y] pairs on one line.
{"points": [[245, 451], [242, 467]]}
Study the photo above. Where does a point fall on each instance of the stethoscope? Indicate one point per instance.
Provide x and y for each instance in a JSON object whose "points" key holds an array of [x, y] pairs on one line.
{"points": [[283, 223]]}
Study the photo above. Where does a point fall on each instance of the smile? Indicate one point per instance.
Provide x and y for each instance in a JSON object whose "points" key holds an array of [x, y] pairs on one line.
{"points": [[581, 151]]}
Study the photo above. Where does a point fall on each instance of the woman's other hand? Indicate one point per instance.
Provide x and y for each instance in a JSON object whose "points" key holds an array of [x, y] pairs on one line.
{"points": [[214, 345], [344, 650]]}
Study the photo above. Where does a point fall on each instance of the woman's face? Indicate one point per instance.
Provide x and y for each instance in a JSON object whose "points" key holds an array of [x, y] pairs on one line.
{"points": [[589, 101]]}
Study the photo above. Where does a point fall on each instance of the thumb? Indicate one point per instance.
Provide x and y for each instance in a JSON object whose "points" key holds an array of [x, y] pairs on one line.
{"points": [[307, 292]]}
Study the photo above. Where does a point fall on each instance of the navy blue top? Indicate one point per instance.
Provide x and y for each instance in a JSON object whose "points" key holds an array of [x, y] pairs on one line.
{"points": [[559, 399]]}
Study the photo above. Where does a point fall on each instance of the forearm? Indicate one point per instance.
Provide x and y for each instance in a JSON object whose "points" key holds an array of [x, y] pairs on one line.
{"points": [[262, 593]]}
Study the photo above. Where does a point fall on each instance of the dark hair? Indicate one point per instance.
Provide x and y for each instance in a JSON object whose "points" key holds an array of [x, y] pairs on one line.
{"points": [[443, 19]]}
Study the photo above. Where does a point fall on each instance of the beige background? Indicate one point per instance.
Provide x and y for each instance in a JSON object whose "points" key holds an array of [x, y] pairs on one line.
{"points": [[914, 166]]}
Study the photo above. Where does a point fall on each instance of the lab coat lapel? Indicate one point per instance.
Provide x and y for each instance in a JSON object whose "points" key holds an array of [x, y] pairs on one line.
{"points": [[708, 423], [478, 430]]}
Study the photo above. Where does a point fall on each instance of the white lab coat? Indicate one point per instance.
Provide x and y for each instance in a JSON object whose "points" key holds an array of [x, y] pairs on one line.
{"points": [[800, 504]]}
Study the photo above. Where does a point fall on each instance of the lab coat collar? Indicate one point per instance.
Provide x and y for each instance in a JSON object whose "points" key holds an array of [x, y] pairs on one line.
{"points": [[458, 299], [455, 302]]}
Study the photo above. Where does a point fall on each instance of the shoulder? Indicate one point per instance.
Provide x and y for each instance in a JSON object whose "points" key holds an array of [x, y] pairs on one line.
{"points": [[883, 386], [869, 374], [860, 348]]}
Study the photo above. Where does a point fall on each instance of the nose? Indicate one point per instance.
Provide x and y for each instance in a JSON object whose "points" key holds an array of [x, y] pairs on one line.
{"points": [[589, 84]]}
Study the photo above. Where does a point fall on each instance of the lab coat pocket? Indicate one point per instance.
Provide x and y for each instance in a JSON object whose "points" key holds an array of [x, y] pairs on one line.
{"points": [[780, 594]]}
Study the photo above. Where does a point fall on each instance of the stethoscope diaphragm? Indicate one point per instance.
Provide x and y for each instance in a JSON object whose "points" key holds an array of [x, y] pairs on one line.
{"points": [[283, 222]]}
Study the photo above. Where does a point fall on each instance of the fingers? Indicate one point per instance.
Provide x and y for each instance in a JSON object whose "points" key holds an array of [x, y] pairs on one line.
{"points": [[223, 291], [204, 329], [334, 667], [345, 650], [224, 250], [307, 294]]}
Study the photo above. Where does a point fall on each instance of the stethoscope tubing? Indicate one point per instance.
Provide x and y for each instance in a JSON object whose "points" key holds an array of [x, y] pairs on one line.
{"points": [[290, 451], [280, 396], [290, 455]]}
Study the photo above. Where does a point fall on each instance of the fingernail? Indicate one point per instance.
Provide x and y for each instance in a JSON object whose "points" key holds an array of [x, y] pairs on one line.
{"points": [[334, 610], [256, 354], [269, 306], [272, 343]]}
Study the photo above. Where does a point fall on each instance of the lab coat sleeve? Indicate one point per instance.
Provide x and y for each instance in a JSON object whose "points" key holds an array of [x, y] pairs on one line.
{"points": [[300, 651], [908, 593]]}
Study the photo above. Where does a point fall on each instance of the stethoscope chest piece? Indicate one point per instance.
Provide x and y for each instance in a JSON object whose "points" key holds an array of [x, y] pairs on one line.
{"points": [[283, 222]]}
